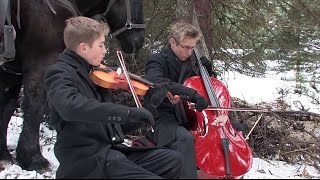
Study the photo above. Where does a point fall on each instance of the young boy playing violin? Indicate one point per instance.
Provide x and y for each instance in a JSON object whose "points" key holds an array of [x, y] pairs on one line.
{"points": [[90, 128]]}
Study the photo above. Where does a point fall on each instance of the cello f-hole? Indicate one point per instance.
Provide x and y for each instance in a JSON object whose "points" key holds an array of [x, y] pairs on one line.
{"points": [[203, 126]]}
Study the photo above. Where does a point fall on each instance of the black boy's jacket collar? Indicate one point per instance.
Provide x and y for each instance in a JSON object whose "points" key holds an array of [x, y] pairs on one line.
{"points": [[172, 60], [70, 57], [80, 64]]}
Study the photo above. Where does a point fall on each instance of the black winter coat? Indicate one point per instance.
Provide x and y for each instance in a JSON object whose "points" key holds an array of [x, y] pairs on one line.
{"points": [[165, 67], [86, 128]]}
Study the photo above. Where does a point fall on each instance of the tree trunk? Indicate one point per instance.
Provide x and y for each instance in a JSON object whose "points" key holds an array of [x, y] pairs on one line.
{"points": [[186, 12], [203, 14]]}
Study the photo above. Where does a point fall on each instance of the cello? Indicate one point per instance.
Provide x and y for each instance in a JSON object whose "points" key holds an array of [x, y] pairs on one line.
{"points": [[221, 151]]}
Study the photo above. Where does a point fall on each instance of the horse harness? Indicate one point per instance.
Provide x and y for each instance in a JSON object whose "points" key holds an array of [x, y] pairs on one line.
{"points": [[101, 17], [7, 32], [129, 24]]}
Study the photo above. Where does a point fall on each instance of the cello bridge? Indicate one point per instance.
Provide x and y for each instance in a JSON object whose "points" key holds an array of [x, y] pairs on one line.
{"points": [[220, 120]]}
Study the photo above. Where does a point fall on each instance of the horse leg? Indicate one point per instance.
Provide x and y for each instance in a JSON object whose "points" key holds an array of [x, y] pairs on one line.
{"points": [[10, 86], [28, 150]]}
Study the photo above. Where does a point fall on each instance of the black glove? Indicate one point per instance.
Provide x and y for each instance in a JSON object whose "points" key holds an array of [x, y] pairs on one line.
{"points": [[151, 108], [208, 65], [140, 115], [157, 93], [200, 102], [154, 98]]}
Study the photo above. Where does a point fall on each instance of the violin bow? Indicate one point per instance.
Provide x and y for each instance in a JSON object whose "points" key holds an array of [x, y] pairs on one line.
{"points": [[125, 72], [134, 94]]}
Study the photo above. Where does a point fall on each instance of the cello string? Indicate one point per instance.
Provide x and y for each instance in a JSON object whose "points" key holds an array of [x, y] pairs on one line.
{"points": [[206, 80]]}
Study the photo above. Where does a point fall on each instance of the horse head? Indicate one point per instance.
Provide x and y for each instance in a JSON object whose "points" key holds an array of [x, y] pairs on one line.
{"points": [[125, 18], [37, 41]]}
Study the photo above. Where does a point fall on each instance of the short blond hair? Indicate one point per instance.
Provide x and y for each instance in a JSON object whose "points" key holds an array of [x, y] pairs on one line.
{"points": [[180, 30], [82, 29]]}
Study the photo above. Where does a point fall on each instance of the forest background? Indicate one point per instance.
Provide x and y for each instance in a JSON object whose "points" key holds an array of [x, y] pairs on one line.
{"points": [[242, 35], [245, 36]]}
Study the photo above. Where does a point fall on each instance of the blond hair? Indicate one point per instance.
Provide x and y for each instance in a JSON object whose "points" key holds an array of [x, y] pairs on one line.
{"points": [[180, 30], [82, 29]]}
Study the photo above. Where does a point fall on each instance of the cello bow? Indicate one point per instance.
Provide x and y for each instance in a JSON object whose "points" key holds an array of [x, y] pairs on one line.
{"points": [[216, 108]]}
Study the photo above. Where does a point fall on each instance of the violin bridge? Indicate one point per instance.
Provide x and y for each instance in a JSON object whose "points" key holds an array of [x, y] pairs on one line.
{"points": [[119, 71]]}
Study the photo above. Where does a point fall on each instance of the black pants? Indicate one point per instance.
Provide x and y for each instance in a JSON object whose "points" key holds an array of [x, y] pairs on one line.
{"points": [[149, 164], [184, 144]]}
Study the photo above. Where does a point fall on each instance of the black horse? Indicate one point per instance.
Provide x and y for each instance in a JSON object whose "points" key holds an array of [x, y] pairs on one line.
{"points": [[39, 38]]}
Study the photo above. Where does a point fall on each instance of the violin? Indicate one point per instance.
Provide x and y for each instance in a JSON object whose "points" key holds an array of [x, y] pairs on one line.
{"points": [[106, 77], [109, 78]]}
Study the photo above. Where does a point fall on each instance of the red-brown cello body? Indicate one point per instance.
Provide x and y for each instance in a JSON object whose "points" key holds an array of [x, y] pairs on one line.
{"points": [[221, 151]]}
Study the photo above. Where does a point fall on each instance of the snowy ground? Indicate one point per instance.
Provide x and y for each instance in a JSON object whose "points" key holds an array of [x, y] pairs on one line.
{"points": [[261, 169]]}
